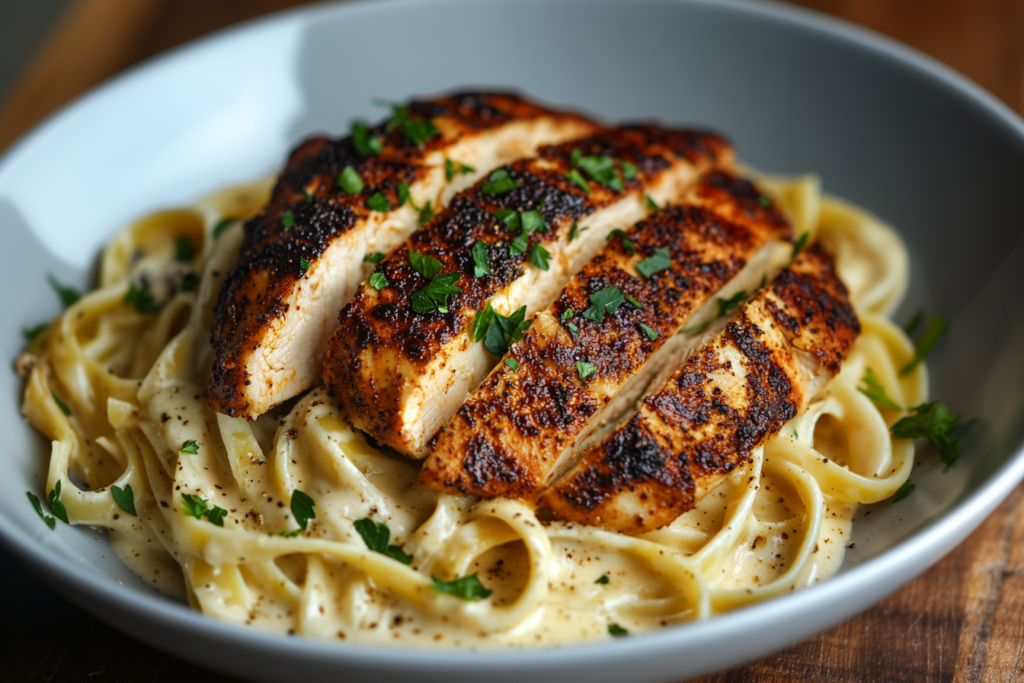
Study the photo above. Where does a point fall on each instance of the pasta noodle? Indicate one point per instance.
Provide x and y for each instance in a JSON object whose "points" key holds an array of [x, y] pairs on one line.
{"points": [[133, 383]]}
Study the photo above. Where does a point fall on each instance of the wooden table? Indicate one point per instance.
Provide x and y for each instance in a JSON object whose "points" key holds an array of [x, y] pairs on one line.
{"points": [[962, 620]]}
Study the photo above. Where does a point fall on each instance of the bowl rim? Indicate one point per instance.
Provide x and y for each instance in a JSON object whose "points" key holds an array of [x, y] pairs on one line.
{"points": [[908, 558]]}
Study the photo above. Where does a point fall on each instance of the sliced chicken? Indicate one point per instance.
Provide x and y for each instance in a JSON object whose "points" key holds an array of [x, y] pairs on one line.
{"points": [[336, 202], [734, 392], [532, 414], [400, 370]]}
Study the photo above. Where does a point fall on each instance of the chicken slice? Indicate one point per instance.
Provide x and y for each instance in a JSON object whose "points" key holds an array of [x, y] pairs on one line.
{"points": [[531, 416], [400, 373], [734, 392], [336, 202]]}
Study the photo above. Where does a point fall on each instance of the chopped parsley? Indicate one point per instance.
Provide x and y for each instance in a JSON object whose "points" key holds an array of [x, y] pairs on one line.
{"points": [[636, 302], [627, 244], [287, 220], [932, 421], [191, 447], [375, 257], [532, 221], [903, 491], [875, 391], [764, 201], [511, 219], [519, 244], [434, 297], [480, 266], [426, 214], [726, 306], [628, 170], [498, 332], [304, 265], [222, 225], [61, 404], [427, 266], [56, 506], [378, 202], [450, 169], [603, 301], [617, 631], [466, 588], [499, 182], [189, 282], [184, 250], [124, 498], [799, 245], [933, 331], [34, 499], [585, 370], [376, 536], [651, 334], [378, 281], [512, 363], [403, 195], [574, 176], [914, 323], [539, 256], [349, 181], [68, 295], [416, 131], [141, 299], [365, 144], [599, 168], [662, 260], [33, 333], [575, 230], [302, 508], [567, 315], [194, 505], [651, 204], [697, 328], [216, 515], [603, 580]]}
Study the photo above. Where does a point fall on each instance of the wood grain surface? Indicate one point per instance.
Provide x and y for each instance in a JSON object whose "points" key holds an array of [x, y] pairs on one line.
{"points": [[962, 620]]}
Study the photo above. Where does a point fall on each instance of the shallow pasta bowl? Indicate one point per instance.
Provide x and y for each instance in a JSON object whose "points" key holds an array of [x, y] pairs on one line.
{"points": [[885, 128]]}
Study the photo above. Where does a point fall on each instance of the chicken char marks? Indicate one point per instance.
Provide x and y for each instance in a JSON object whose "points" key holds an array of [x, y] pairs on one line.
{"points": [[301, 258], [400, 374], [529, 417], [734, 392]]}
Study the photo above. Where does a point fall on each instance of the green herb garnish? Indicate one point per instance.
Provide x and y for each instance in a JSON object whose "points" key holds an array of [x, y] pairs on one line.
{"points": [[34, 499], [617, 631], [416, 131], [304, 265], [585, 370], [875, 391], [539, 256], [365, 144], [450, 169], [764, 201], [636, 302], [932, 421], [511, 219], [628, 170], [498, 332], [799, 245], [903, 491], [216, 515], [376, 536], [601, 169], [199, 507], [33, 333], [426, 266], [603, 580], [914, 323], [480, 265], [726, 306], [574, 176], [512, 363], [375, 257], [56, 506], [603, 301], [124, 498], [627, 244], [403, 195], [662, 260], [378, 281], [184, 250], [519, 244], [434, 297], [222, 225], [651, 334], [378, 202], [349, 181], [426, 214], [141, 299], [466, 588], [61, 404], [929, 338], [651, 204], [499, 182], [190, 447], [567, 315], [189, 283], [68, 295], [302, 508]]}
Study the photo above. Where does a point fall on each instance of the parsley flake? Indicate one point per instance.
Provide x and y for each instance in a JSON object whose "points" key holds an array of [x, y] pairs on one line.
{"points": [[575, 230], [627, 244], [349, 181], [426, 214], [302, 508], [603, 580], [61, 404], [764, 201], [287, 220], [636, 302], [68, 295], [425, 265], [903, 491], [651, 334], [378, 281], [933, 330], [875, 391], [567, 316], [33, 333], [511, 219], [124, 498], [141, 299], [403, 195], [376, 536], [434, 297], [34, 499], [512, 363], [416, 131], [480, 266], [466, 588], [539, 256], [56, 506], [651, 204], [499, 182], [697, 328], [574, 176], [450, 169], [195, 506], [726, 306], [304, 265], [190, 282], [532, 221], [191, 447], [585, 370], [799, 245], [499, 332], [375, 257], [617, 631], [662, 260], [914, 323], [601, 169], [184, 250], [365, 144], [216, 515], [932, 421], [222, 225], [378, 202], [628, 170], [603, 301]]}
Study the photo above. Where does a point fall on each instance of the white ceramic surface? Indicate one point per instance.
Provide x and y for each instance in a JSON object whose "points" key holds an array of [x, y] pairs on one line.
{"points": [[883, 126]]}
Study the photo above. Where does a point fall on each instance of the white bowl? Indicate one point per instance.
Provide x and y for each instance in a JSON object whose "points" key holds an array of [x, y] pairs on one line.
{"points": [[884, 127]]}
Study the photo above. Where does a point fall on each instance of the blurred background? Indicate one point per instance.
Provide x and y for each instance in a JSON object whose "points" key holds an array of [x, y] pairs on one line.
{"points": [[961, 620]]}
